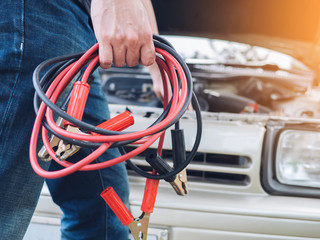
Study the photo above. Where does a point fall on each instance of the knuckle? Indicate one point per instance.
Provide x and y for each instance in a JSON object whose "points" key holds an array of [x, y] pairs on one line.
{"points": [[106, 38], [133, 40], [147, 36], [119, 37]]}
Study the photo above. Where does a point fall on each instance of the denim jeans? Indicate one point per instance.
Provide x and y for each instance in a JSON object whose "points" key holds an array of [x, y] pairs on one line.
{"points": [[31, 32]]}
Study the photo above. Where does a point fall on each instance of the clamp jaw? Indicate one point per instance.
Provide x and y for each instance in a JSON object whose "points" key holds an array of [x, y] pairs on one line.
{"points": [[76, 106], [54, 142], [178, 182], [138, 226], [64, 150]]}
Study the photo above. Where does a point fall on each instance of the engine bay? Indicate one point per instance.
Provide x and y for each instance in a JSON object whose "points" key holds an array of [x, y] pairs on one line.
{"points": [[228, 77]]}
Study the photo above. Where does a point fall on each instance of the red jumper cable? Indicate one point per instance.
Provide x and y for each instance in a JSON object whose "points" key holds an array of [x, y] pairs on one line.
{"points": [[69, 133]]}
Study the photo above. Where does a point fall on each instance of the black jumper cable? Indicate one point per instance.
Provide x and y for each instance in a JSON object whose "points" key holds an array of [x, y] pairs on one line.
{"points": [[69, 133]]}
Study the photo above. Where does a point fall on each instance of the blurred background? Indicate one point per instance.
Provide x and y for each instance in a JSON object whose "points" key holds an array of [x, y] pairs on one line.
{"points": [[288, 26]]}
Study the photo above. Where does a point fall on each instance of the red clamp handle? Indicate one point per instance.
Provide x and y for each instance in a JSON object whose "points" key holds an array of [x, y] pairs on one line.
{"points": [[150, 195], [117, 123], [117, 206], [78, 100]]}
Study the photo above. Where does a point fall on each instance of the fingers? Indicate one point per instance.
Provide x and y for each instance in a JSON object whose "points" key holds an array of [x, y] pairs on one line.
{"points": [[119, 55], [105, 55], [148, 55], [127, 50], [133, 50], [123, 31], [112, 50]]}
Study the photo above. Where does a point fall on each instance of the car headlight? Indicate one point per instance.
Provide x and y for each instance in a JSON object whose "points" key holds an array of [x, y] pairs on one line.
{"points": [[291, 159], [298, 158]]}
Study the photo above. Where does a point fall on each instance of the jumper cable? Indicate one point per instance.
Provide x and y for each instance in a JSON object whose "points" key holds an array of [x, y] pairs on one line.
{"points": [[69, 133]]}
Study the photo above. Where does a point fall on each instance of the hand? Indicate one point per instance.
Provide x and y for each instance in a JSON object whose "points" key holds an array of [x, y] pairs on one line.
{"points": [[158, 84], [123, 32]]}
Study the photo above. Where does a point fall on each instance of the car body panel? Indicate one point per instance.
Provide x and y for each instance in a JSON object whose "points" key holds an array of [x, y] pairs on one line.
{"points": [[227, 200]]}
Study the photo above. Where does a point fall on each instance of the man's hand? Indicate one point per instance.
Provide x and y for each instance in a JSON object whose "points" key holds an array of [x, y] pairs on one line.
{"points": [[123, 32]]}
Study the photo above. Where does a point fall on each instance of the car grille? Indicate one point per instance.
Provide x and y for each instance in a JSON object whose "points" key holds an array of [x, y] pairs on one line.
{"points": [[206, 167]]}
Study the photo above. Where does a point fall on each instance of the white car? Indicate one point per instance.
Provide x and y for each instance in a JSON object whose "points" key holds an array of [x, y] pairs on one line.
{"points": [[256, 175]]}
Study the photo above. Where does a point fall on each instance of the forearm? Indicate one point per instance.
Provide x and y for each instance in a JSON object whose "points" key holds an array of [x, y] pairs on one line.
{"points": [[151, 16]]}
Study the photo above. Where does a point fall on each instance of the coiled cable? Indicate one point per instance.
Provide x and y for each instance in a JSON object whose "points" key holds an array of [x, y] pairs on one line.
{"points": [[62, 71]]}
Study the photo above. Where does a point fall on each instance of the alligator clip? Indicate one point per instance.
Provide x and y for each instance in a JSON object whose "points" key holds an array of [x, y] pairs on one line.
{"points": [[77, 103], [181, 183], [54, 143], [178, 182], [138, 226], [117, 123], [66, 149], [179, 156]]}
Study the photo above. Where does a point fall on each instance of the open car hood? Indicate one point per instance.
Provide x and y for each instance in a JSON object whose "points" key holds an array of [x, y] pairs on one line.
{"points": [[221, 59], [287, 26], [244, 56]]}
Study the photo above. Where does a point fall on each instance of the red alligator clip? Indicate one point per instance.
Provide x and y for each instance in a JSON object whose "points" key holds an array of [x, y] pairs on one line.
{"points": [[117, 123], [138, 226]]}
